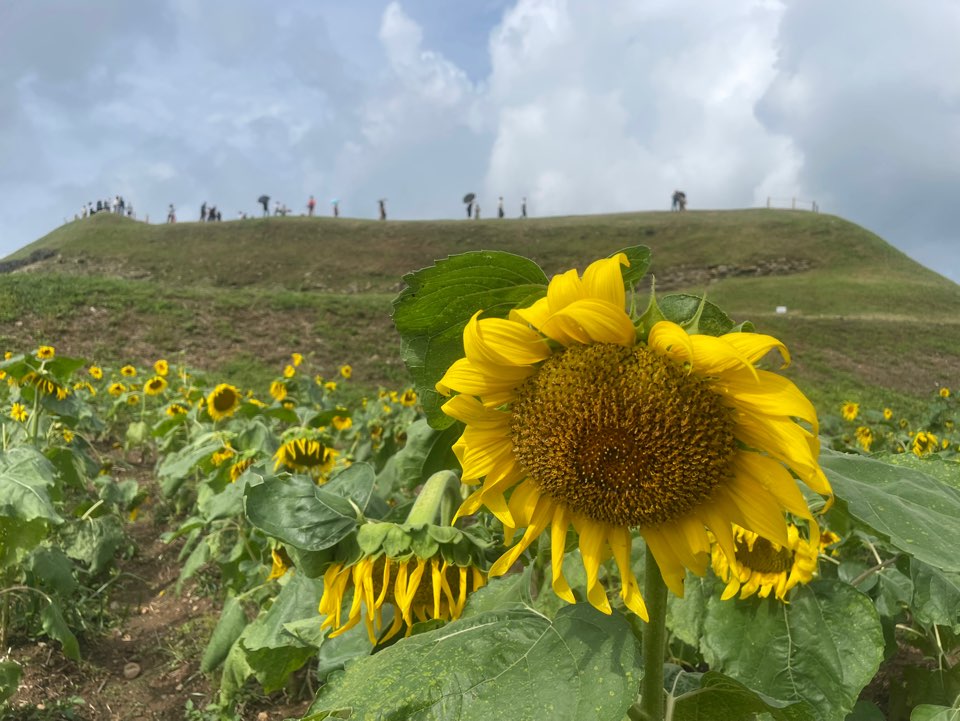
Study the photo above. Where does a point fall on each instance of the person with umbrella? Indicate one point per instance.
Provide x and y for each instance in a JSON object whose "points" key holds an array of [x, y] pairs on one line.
{"points": [[264, 200], [468, 199]]}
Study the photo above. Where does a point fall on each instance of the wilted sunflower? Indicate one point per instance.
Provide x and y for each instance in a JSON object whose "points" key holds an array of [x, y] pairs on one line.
{"points": [[307, 455], [594, 429], [161, 367], [761, 566], [129, 371], [46, 352], [280, 563], [924, 443], [155, 386], [864, 437], [223, 401], [850, 411], [238, 468]]}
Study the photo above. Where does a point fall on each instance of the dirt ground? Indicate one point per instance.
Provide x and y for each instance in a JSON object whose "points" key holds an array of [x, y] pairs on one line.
{"points": [[145, 665]]}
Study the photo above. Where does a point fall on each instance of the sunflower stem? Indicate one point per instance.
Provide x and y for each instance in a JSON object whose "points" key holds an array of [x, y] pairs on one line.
{"points": [[440, 494], [654, 641]]}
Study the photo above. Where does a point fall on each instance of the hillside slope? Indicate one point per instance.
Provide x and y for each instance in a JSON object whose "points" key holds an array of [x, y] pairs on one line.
{"points": [[236, 297]]}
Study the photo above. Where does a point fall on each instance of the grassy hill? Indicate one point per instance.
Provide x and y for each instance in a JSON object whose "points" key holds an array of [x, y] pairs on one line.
{"points": [[863, 321]]}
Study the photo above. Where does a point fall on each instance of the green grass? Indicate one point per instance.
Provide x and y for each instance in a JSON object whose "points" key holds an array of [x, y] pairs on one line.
{"points": [[864, 321]]}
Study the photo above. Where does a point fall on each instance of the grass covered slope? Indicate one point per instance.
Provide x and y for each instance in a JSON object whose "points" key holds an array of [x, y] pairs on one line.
{"points": [[238, 296]]}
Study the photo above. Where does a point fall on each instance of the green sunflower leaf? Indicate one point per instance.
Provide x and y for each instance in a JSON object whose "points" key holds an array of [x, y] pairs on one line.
{"points": [[818, 651], [639, 257], [426, 452], [911, 510], [695, 314], [936, 595], [431, 312], [513, 664], [26, 481], [721, 697], [10, 673]]}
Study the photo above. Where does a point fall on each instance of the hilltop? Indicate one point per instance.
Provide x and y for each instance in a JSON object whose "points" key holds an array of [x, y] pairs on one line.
{"points": [[237, 297]]}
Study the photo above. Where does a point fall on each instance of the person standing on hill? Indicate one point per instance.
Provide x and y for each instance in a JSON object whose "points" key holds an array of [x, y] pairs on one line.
{"points": [[203, 211], [476, 211], [264, 200], [500, 207], [383, 208], [171, 214], [523, 208], [311, 204], [336, 208]]}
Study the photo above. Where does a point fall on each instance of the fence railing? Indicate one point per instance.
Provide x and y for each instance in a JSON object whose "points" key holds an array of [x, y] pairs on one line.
{"points": [[793, 204]]}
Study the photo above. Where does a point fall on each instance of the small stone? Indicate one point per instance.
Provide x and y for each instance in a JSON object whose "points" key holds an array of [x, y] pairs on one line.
{"points": [[131, 670], [263, 716]]}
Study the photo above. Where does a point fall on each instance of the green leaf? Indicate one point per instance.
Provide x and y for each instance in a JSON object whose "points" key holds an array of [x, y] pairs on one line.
{"points": [[310, 517], [225, 504], [431, 312], [175, 468], [56, 628], [721, 697], [17, 538], [26, 480], [231, 624], [52, 570], [513, 664], [9, 679], [914, 512], [95, 541], [926, 712], [426, 452], [936, 595], [821, 648], [639, 257], [696, 314]]}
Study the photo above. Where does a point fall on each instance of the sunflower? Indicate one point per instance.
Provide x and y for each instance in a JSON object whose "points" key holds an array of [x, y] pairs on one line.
{"points": [[850, 411], [944, 392], [409, 398], [46, 352], [289, 371], [924, 443], [238, 468], [760, 566], [342, 423], [887, 414], [594, 429], [129, 371], [296, 359], [346, 371], [418, 589], [330, 386], [133, 399], [278, 390], [223, 401], [305, 454], [161, 367], [864, 437], [176, 409], [96, 372], [67, 435], [280, 563], [224, 454], [116, 389], [155, 386], [19, 413]]}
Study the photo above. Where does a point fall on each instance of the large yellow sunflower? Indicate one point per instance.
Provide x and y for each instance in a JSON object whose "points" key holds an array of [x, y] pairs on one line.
{"points": [[223, 401], [307, 455], [573, 421]]}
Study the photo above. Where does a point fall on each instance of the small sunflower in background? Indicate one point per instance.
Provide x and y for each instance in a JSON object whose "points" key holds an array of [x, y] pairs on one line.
{"points": [[116, 389], [223, 401], [128, 371], [289, 371], [586, 426], [306, 455], [19, 413], [944, 392], [296, 359], [864, 437], [850, 411], [760, 566], [155, 386], [887, 414], [46, 352], [239, 467], [924, 443], [161, 368], [409, 398], [96, 372], [330, 386], [346, 371], [280, 563], [278, 391], [176, 409]]}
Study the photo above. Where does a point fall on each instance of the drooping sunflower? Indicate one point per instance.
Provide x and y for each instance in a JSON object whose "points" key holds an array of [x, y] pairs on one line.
{"points": [[864, 437], [238, 468], [584, 425], [280, 563], [850, 411], [223, 401], [161, 367], [761, 566], [155, 386], [307, 455], [924, 443]]}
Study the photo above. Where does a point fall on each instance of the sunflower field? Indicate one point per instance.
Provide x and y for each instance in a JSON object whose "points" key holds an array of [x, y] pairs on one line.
{"points": [[588, 505]]}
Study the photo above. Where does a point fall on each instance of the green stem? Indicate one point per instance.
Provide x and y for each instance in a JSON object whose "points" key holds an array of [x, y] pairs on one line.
{"points": [[441, 493], [654, 640]]}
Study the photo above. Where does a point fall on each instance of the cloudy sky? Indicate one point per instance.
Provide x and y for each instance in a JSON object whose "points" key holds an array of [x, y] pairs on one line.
{"points": [[581, 106]]}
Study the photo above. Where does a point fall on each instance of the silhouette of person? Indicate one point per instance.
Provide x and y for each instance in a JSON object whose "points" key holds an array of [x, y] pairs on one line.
{"points": [[171, 214], [311, 204], [500, 207], [383, 208], [203, 211], [469, 209], [523, 208], [336, 208], [265, 202]]}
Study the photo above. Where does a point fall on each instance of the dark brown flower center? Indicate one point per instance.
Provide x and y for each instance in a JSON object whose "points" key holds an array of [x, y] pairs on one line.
{"points": [[622, 435]]}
